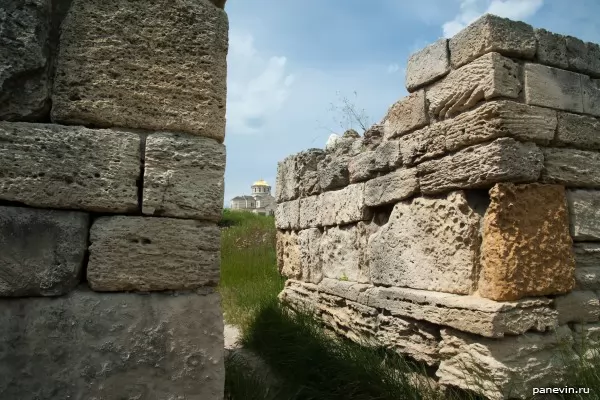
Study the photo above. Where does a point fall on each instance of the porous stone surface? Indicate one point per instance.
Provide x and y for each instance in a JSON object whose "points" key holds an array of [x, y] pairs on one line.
{"points": [[580, 131], [156, 66], [591, 95], [578, 306], [418, 247], [387, 156], [152, 254], [390, 188], [183, 177], [571, 167], [355, 321], [552, 87], [309, 241], [551, 49], [466, 313], [287, 214], [489, 121], [43, 251], [297, 175], [587, 261], [480, 166], [503, 369], [584, 210], [427, 65], [288, 254], [44, 165], [526, 248], [486, 78], [300, 295], [407, 114], [344, 206], [583, 56], [417, 339], [310, 212], [333, 173], [491, 33], [586, 339], [88, 345]]}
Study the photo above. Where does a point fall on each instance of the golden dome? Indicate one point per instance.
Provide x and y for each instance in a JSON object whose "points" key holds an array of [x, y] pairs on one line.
{"points": [[260, 183]]}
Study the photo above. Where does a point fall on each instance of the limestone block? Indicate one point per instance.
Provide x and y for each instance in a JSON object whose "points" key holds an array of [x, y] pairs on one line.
{"points": [[417, 339], [144, 66], [310, 212], [584, 210], [354, 321], [578, 306], [288, 255], [466, 313], [571, 168], [491, 33], [551, 49], [343, 253], [183, 177], [578, 131], [428, 243], [152, 254], [297, 175], [43, 251], [481, 166], [88, 345], [407, 114], [44, 165], [345, 289], [393, 187], [309, 241], [553, 87], [526, 248], [300, 296], [489, 77], [344, 206], [285, 186], [591, 95], [587, 259], [486, 122], [586, 339], [287, 215], [427, 65], [333, 173], [506, 368], [583, 56], [387, 156]]}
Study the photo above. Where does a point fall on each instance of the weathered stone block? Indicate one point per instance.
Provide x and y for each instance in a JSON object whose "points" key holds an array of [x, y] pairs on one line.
{"points": [[333, 173], [591, 95], [587, 261], [345, 289], [503, 160], [427, 65], [584, 210], [344, 206], [288, 255], [309, 241], [551, 49], [587, 340], [466, 313], [300, 295], [491, 33], [287, 215], [143, 66], [572, 168], [297, 175], [489, 121], [88, 345], [152, 254], [352, 320], [310, 212], [553, 87], [578, 306], [387, 156], [393, 187], [343, 253], [501, 369], [526, 249], [418, 247], [578, 131], [583, 56], [417, 339], [183, 177], [486, 78], [56, 166], [407, 114], [43, 251]]}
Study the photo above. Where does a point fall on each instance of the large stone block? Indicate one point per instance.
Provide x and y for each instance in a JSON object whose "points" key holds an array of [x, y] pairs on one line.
{"points": [[300, 295], [571, 168], [481, 166], [344, 206], [183, 177], [387, 156], [466, 313], [160, 65], [488, 121], [417, 339], [584, 210], [345, 289], [69, 167], [551, 49], [309, 241], [343, 252], [526, 249], [503, 369], [491, 33], [390, 188], [578, 131], [587, 261], [310, 212], [333, 173], [407, 114], [587, 340], [352, 320], [297, 175], [553, 87], [88, 345], [583, 56], [577, 306], [428, 243], [489, 77], [152, 254], [287, 215], [591, 95], [43, 251], [427, 65], [288, 255]]}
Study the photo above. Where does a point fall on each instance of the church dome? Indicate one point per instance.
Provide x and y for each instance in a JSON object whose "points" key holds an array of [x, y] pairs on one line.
{"points": [[260, 183]]}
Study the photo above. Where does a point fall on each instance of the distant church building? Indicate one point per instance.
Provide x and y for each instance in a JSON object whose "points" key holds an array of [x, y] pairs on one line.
{"points": [[261, 201]]}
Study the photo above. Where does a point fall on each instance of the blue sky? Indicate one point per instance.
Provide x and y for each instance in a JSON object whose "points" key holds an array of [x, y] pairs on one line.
{"points": [[290, 60]]}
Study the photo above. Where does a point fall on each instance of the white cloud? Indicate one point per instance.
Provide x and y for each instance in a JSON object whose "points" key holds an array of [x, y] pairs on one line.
{"points": [[392, 68], [470, 10]]}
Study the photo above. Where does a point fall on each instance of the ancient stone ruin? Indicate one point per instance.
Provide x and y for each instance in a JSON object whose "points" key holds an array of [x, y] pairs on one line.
{"points": [[464, 230], [112, 119]]}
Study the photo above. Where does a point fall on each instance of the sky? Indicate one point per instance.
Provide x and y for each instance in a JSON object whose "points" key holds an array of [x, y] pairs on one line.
{"points": [[292, 63]]}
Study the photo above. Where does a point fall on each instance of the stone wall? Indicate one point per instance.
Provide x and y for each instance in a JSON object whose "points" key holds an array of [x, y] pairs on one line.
{"points": [[463, 230], [112, 121]]}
